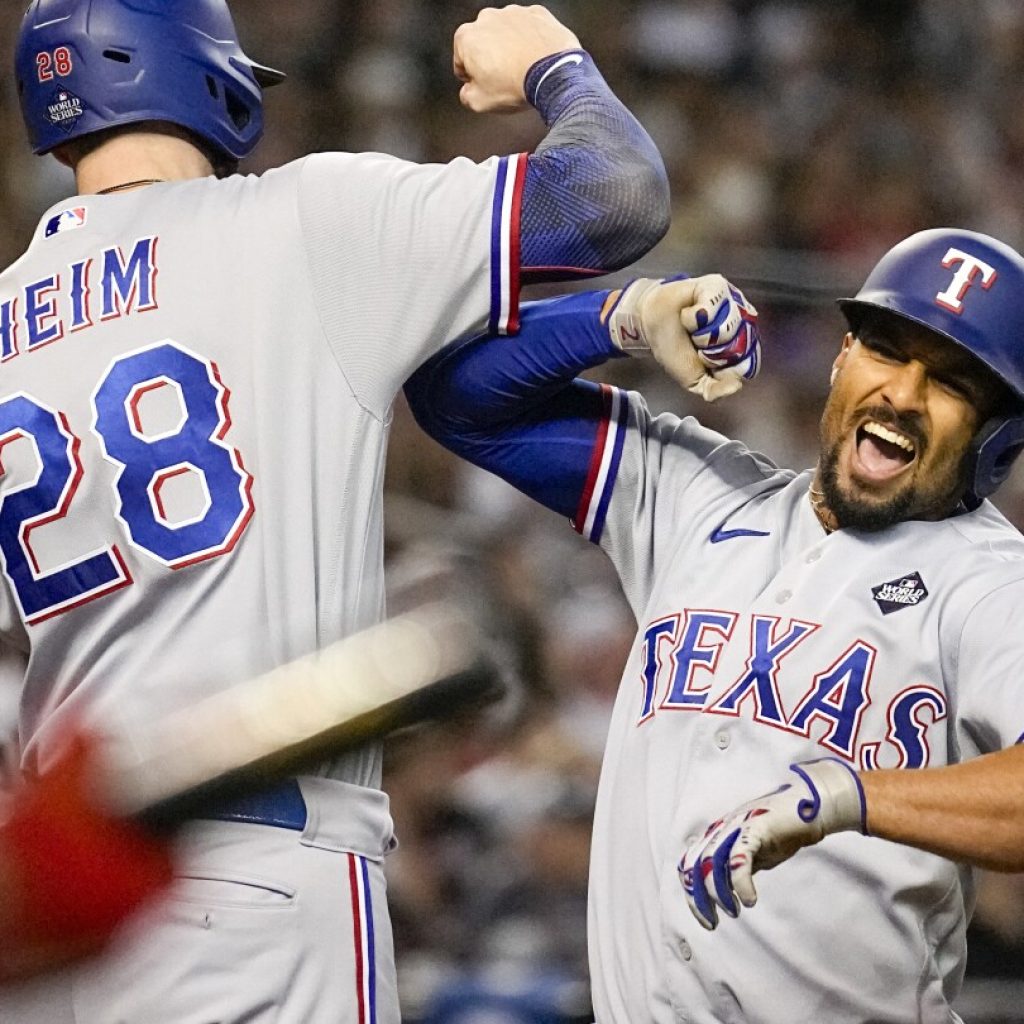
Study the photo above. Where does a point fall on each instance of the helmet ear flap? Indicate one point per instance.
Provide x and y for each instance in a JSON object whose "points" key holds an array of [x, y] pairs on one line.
{"points": [[991, 456]]}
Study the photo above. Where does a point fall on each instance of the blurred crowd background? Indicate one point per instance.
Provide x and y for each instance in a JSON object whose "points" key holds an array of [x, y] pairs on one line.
{"points": [[802, 138]]}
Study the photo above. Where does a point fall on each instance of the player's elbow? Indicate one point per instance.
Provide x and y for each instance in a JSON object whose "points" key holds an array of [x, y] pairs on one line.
{"points": [[646, 214], [640, 214], [623, 187], [418, 395], [432, 406]]}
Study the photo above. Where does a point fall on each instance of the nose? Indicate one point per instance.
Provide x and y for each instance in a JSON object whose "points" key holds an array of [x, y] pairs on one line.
{"points": [[906, 388]]}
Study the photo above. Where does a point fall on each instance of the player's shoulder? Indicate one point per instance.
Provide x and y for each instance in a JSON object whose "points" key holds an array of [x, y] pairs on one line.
{"points": [[285, 178], [984, 552], [988, 537], [334, 173], [735, 461], [262, 195]]}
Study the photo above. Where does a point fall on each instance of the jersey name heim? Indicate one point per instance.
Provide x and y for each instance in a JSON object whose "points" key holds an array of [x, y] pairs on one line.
{"points": [[104, 287]]}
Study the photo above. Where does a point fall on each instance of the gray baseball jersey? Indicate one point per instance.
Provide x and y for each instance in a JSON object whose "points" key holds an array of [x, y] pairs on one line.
{"points": [[194, 402], [764, 641], [195, 385]]}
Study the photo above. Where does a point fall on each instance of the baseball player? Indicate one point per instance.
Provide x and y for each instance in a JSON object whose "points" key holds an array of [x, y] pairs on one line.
{"points": [[810, 636], [197, 370]]}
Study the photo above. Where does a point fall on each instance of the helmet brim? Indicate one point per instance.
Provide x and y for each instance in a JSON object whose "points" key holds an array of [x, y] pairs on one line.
{"points": [[266, 77], [856, 309]]}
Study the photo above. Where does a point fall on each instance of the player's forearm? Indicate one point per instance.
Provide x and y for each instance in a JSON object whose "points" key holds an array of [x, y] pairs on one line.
{"points": [[599, 154], [480, 385], [512, 406], [971, 812]]}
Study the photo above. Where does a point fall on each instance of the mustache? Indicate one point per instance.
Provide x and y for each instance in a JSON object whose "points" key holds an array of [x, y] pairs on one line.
{"points": [[909, 424]]}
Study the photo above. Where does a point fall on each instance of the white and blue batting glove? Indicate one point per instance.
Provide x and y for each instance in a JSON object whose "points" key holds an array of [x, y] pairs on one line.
{"points": [[717, 871], [702, 330]]}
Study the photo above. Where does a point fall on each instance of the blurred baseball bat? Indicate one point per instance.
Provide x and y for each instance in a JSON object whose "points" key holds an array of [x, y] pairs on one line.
{"points": [[425, 664]]}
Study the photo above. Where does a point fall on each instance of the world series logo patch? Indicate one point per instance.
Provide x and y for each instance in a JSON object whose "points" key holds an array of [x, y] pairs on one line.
{"points": [[902, 592], [64, 110]]}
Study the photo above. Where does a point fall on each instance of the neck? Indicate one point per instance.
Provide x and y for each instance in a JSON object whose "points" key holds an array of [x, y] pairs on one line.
{"points": [[825, 515], [139, 157]]}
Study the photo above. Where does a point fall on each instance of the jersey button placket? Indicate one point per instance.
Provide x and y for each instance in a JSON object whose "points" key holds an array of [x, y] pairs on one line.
{"points": [[722, 739], [684, 950]]}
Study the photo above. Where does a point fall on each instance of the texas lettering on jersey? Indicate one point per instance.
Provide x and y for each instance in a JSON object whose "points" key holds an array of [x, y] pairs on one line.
{"points": [[107, 286], [681, 650]]}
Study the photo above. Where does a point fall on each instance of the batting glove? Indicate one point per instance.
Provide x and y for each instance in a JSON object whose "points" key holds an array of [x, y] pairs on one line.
{"points": [[702, 330], [825, 797]]}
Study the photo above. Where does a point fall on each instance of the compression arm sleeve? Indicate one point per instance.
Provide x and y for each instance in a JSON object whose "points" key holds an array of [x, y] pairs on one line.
{"points": [[596, 195], [512, 405]]}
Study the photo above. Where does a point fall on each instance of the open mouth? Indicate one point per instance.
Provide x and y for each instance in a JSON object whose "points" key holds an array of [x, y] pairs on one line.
{"points": [[883, 452]]}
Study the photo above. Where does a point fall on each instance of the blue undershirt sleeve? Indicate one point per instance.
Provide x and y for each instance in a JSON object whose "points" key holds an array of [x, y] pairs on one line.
{"points": [[512, 405], [596, 195]]}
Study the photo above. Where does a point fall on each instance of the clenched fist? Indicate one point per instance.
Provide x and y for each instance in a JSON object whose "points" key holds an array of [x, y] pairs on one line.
{"points": [[493, 54], [702, 330]]}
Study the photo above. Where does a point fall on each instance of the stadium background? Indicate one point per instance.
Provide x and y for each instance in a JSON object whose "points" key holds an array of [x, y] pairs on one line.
{"points": [[802, 138]]}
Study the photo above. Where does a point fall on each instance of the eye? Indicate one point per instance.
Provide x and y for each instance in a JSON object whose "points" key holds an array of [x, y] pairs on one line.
{"points": [[954, 385], [882, 349]]}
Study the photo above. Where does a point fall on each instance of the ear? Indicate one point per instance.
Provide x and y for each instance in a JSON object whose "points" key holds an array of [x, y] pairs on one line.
{"points": [[841, 358]]}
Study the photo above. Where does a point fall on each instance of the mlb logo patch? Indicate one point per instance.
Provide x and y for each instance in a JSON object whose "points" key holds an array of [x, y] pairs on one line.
{"points": [[903, 592], [66, 220]]}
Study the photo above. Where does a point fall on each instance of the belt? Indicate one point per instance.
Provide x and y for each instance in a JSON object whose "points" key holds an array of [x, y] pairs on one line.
{"points": [[282, 806]]}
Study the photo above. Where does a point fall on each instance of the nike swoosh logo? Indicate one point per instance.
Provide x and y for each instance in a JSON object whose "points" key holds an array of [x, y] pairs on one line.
{"points": [[572, 58], [569, 58], [718, 534]]}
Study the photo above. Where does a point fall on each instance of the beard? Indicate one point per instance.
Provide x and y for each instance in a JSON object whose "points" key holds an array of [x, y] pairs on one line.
{"points": [[855, 513], [910, 502]]}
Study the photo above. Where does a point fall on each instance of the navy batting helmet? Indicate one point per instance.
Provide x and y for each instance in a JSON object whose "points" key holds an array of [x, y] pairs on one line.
{"points": [[968, 288], [87, 65]]}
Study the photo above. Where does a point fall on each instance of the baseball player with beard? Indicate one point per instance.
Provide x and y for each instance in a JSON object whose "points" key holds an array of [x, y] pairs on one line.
{"points": [[196, 374], [830, 657]]}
